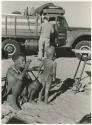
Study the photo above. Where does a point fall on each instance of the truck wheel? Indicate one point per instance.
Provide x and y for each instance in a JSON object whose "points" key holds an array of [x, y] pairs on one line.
{"points": [[11, 46], [83, 45]]}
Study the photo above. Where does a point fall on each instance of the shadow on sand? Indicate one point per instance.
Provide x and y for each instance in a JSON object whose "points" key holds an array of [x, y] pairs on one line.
{"points": [[64, 52], [67, 84], [16, 121], [86, 119]]}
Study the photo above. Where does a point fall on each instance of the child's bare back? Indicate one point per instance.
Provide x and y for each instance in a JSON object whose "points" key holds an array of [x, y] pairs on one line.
{"points": [[47, 74]]}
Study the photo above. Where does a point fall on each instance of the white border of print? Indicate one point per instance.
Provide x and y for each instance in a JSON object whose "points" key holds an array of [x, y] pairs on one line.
{"points": [[38, 1]]}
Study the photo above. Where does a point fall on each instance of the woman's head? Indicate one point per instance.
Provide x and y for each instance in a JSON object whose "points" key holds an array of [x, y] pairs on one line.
{"points": [[19, 60]]}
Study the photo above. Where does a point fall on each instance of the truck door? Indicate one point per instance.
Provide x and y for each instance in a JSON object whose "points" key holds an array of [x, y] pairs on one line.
{"points": [[52, 21], [61, 31]]}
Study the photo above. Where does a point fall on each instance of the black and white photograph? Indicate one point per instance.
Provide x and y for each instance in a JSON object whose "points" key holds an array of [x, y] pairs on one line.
{"points": [[46, 62]]}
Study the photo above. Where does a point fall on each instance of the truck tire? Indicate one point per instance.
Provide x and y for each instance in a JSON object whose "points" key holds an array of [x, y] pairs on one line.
{"points": [[11, 46], [83, 45]]}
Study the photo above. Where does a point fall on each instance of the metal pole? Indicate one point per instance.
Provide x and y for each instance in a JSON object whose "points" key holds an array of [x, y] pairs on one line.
{"points": [[78, 83], [78, 66], [37, 25], [6, 25], [15, 26]]}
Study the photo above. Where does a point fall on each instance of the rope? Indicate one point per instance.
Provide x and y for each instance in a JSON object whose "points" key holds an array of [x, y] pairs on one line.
{"points": [[28, 22]]}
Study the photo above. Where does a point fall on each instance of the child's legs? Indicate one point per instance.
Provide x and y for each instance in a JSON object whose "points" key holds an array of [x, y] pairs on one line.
{"points": [[31, 91], [31, 96], [41, 92], [41, 43], [47, 88]]}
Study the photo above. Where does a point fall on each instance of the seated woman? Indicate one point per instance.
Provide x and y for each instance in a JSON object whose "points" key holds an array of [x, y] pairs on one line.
{"points": [[17, 79]]}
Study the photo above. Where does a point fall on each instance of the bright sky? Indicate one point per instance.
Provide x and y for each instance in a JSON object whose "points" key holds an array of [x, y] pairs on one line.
{"points": [[77, 13]]}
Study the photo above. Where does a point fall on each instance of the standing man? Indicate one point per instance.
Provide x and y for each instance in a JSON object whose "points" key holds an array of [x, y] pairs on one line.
{"points": [[46, 29]]}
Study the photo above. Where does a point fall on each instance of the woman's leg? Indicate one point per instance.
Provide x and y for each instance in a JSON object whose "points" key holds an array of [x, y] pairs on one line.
{"points": [[13, 97]]}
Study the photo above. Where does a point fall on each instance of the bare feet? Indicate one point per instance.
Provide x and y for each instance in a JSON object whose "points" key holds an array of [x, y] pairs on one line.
{"points": [[12, 102], [15, 107]]}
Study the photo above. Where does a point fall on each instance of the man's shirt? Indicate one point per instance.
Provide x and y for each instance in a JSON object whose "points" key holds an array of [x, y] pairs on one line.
{"points": [[46, 29]]}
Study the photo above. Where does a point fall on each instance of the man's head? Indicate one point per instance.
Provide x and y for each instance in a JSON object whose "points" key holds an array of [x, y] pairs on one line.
{"points": [[50, 51], [45, 19], [19, 60]]}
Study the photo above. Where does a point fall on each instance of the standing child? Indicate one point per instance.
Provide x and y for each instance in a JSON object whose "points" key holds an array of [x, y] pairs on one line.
{"points": [[49, 73]]}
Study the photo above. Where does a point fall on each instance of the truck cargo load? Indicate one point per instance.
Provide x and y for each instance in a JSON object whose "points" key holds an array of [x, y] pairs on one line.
{"points": [[17, 25], [49, 8]]}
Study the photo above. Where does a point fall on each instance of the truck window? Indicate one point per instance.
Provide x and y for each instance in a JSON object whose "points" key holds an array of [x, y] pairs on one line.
{"points": [[61, 22], [52, 20]]}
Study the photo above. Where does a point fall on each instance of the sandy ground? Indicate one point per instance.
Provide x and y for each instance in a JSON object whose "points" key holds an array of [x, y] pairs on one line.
{"points": [[64, 107]]}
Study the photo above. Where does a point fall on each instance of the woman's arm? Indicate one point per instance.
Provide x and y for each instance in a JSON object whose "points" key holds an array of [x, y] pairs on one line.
{"points": [[40, 66], [21, 75]]}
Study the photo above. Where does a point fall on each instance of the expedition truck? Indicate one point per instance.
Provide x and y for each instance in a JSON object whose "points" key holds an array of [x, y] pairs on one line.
{"points": [[21, 32]]}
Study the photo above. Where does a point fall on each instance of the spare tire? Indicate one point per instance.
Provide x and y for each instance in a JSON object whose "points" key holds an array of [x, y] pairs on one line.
{"points": [[83, 45], [11, 46]]}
